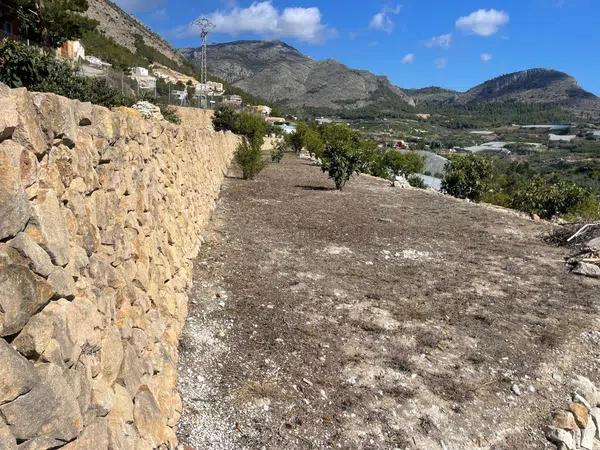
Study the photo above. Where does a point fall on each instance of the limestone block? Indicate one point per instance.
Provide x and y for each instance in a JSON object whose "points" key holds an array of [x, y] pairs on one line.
{"points": [[58, 118], [47, 227], [148, 419], [7, 440], [111, 355], [132, 373], [17, 374], [50, 409], [22, 294], [94, 436], [14, 204], [28, 132], [39, 260], [103, 397], [9, 120], [62, 283]]}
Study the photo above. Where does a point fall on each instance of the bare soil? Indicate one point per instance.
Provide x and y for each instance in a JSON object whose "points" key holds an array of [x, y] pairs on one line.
{"points": [[377, 318]]}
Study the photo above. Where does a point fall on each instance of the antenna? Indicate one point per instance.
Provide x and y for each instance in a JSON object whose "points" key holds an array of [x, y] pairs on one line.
{"points": [[205, 26]]}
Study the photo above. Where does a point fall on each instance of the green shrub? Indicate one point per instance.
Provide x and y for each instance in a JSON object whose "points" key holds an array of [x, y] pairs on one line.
{"points": [[416, 182], [467, 177], [549, 200], [403, 163], [225, 118], [29, 67], [170, 114], [249, 158]]}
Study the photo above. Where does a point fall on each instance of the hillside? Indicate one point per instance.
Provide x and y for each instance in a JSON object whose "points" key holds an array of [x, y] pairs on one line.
{"points": [[431, 94], [280, 73], [532, 86], [354, 319], [117, 24]]}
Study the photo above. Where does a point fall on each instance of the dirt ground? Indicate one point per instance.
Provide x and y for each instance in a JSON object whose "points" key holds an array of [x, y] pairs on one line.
{"points": [[377, 318]]}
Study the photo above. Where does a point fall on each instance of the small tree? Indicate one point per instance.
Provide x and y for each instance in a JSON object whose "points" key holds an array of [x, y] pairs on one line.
{"points": [[467, 177], [340, 164], [49, 22], [405, 164], [249, 158], [253, 127]]}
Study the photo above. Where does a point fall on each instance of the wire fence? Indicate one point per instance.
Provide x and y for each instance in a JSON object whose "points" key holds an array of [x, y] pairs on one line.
{"points": [[148, 87]]}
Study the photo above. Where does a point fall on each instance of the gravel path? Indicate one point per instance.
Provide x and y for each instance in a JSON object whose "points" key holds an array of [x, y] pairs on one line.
{"points": [[376, 318]]}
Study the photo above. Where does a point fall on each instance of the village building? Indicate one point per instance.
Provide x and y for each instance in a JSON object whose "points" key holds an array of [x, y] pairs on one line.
{"points": [[72, 51], [233, 100], [143, 78]]}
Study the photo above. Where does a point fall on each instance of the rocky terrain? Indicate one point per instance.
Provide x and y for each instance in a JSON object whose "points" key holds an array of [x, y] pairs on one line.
{"points": [[383, 318], [532, 86], [122, 27], [100, 216], [279, 73]]}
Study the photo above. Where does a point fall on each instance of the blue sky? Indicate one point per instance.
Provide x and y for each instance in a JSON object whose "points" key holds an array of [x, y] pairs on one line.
{"points": [[416, 43]]}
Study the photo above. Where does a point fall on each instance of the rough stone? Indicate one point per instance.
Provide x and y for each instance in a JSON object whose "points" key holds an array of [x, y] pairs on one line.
{"points": [[48, 227], [111, 355], [132, 370], [564, 419], [587, 389], [62, 283], [41, 443], [16, 373], [14, 204], [148, 110], [587, 270], [94, 436], [40, 261], [28, 132], [581, 414], [588, 435], [148, 419], [593, 245], [9, 119], [49, 409], [7, 440], [22, 294], [560, 437]]}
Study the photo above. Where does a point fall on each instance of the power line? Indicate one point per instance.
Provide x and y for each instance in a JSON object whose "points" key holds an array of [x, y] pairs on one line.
{"points": [[205, 26]]}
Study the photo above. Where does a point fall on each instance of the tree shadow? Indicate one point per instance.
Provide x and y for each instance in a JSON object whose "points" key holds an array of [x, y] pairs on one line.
{"points": [[315, 188]]}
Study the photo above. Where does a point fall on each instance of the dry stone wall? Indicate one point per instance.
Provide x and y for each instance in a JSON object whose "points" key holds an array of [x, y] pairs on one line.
{"points": [[100, 214]]}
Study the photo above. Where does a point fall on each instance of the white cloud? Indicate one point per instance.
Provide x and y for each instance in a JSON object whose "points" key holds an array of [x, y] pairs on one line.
{"points": [[409, 58], [443, 41], [266, 20], [484, 22], [486, 57], [382, 20], [440, 63], [137, 6]]}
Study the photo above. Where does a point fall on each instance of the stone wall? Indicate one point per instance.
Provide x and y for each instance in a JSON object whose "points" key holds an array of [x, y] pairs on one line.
{"points": [[100, 214]]}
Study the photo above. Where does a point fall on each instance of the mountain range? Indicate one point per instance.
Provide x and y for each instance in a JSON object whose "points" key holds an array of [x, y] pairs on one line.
{"points": [[279, 73]]}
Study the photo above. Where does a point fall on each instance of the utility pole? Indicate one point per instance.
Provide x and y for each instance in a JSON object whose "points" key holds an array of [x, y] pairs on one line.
{"points": [[205, 26]]}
